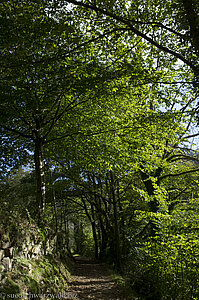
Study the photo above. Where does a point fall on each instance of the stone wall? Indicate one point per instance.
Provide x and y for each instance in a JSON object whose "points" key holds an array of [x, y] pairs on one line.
{"points": [[28, 244]]}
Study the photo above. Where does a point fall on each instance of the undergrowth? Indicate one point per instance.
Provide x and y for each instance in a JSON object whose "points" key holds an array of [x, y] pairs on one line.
{"points": [[45, 275]]}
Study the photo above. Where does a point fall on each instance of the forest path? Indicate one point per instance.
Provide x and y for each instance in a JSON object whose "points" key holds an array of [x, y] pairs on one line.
{"points": [[90, 280]]}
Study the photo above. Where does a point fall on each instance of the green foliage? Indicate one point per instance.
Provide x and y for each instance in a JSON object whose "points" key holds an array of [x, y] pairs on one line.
{"points": [[166, 266], [88, 246], [44, 275], [99, 96]]}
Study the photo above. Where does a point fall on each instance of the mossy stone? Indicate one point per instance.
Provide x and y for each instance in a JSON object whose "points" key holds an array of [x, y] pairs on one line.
{"points": [[10, 287], [34, 286]]}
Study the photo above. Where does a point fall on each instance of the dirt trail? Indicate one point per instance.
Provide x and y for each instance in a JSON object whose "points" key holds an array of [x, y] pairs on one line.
{"points": [[90, 280]]}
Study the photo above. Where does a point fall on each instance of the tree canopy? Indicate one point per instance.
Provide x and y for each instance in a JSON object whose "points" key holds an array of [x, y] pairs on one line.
{"points": [[99, 116]]}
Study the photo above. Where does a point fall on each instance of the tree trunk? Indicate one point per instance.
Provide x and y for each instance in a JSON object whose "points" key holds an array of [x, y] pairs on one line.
{"points": [[153, 204], [104, 239], [95, 238], [93, 225], [116, 225], [39, 171], [55, 213], [94, 230], [151, 227], [193, 21], [66, 228]]}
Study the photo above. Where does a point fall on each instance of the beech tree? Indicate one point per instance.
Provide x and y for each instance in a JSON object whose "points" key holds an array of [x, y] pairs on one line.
{"points": [[102, 97], [42, 80], [166, 26]]}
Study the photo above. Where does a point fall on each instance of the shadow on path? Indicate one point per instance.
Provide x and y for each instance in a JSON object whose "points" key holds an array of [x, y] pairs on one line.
{"points": [[90, 280]]}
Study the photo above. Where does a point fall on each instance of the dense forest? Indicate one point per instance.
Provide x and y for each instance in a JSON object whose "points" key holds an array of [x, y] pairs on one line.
{"points": [[99, 119]]}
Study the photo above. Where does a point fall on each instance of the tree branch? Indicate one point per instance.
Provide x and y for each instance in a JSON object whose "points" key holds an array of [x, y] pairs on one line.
{"points": [[53, 119], [181, 156], [16, 131], [85, 134], [136, 31], [191, 136], [179, 174], [159, 24], [64, 54]]}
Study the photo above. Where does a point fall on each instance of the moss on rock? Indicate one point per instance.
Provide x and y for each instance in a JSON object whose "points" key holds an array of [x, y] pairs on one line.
{"points": [[10, 287], [37, 276]]}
